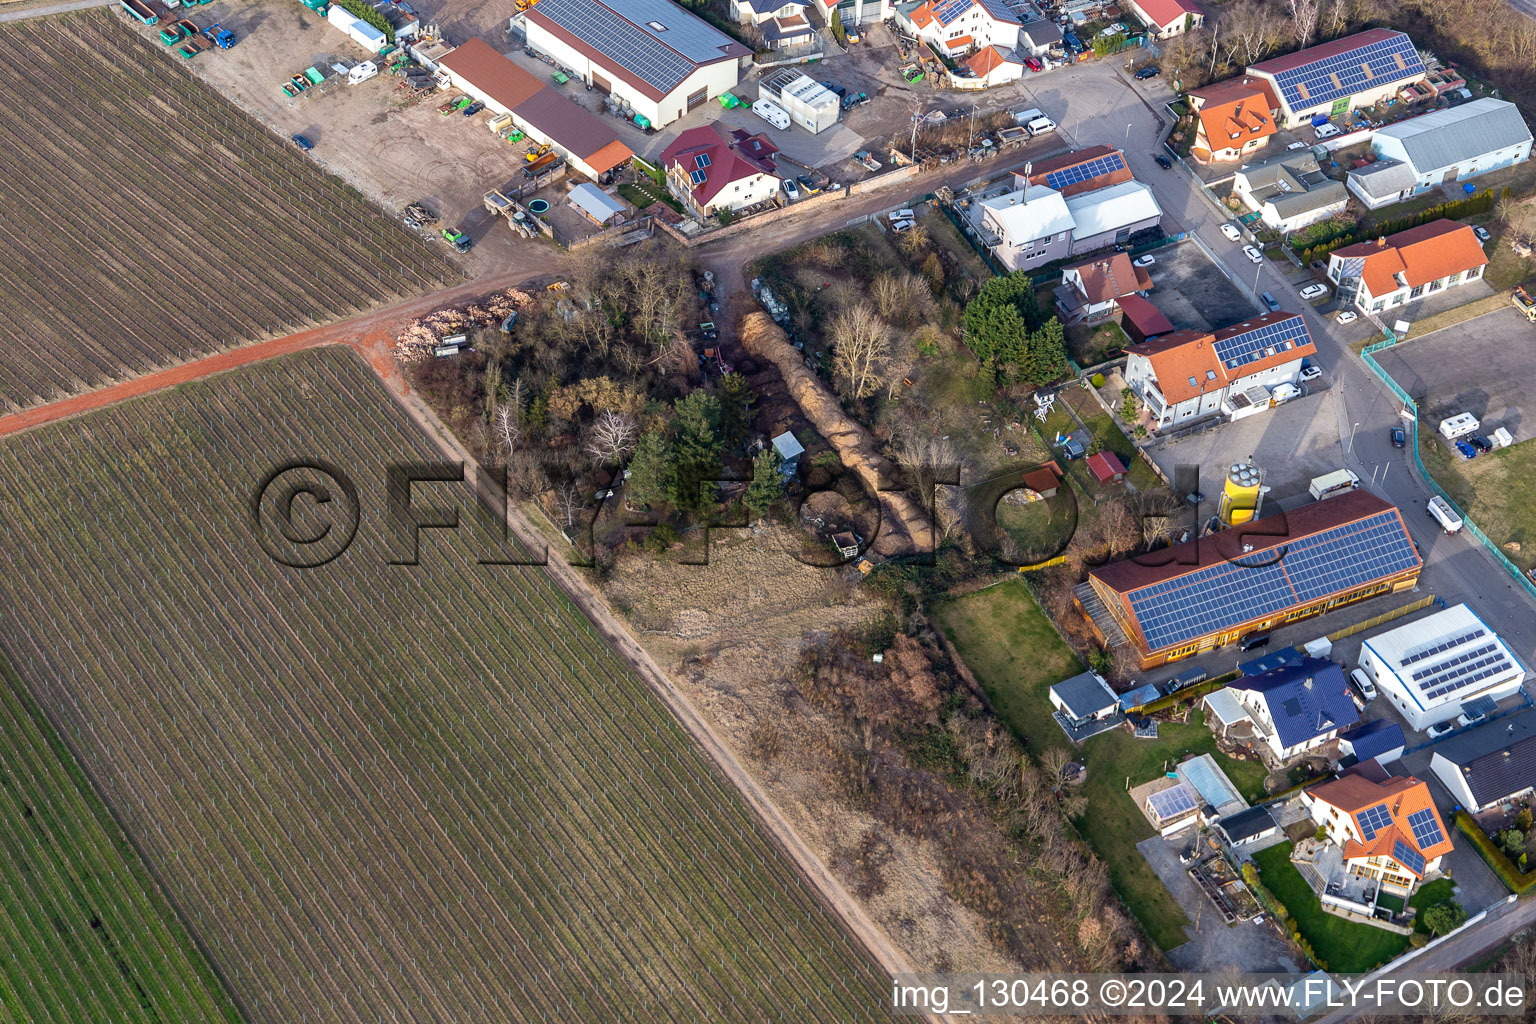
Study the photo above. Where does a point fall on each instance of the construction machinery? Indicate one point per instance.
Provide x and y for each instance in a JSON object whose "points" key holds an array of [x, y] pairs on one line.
{"points": [[536, 154], [548, 162], [457, 238], [1521, 300]]}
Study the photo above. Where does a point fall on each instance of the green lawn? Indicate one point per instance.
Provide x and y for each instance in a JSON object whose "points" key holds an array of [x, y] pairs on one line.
{"points": [[646, 194], [1005, 638], [1346, 946], [1494, 488], [1015, 652], [1428, 895]]}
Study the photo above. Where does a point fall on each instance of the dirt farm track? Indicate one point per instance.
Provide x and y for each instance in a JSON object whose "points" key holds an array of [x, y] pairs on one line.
{"points": [[150, 221]]}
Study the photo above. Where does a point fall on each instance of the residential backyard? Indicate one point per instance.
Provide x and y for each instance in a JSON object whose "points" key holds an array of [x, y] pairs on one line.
{"points": [[1495, 489], [1345, 946], [1009, 644]]}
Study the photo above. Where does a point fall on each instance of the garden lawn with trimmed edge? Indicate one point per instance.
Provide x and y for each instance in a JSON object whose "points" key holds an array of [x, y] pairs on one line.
{"points": [[1345, 946]]}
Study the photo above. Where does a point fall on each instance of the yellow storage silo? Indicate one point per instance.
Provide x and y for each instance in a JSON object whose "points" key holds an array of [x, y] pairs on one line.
{"points": [[1241, 494]]}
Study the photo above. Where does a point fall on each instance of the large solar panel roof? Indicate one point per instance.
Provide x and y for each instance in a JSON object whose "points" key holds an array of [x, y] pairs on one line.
{"points": [[1327, 78], [1426, 830], [656, 40], [1373, 820], [1408, 857], [1226, 594], [1266, 340], [1084, 171], [1440, 646], [947, 10]]}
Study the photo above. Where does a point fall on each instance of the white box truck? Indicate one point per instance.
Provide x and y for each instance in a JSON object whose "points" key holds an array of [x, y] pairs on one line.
{"points": [[772, 113], [1337, 482], [1459, 425], [1441, 512]]}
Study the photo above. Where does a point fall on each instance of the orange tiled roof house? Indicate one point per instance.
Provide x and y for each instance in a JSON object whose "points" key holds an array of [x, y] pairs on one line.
{"points": [[1407, 266], [1387, 828]]}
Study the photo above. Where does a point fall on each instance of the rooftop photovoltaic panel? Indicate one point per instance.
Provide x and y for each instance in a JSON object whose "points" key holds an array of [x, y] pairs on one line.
{"points": [[1219, 596], [1373, 820], [1426, 830], [1443, 645], [1262, 342], [1462, 676], [947, 10], [1084, 171], [662, 57], [1326, 79], [1408, 857], [1461, 659]]}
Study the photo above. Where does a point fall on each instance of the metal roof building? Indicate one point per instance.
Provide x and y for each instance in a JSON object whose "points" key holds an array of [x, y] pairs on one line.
{"points": [[1329, 79], [1432, 666], [1212, 591], [1458, 142], [651, 57]]}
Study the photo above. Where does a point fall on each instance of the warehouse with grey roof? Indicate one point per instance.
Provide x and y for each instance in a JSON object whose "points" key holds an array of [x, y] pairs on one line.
{"points": [[654, 60], [1457, 142]]}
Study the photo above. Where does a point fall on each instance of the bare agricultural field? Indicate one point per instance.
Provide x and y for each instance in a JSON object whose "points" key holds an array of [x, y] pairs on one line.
{"points": [[427, 793], [150, 221], [88, 935]]}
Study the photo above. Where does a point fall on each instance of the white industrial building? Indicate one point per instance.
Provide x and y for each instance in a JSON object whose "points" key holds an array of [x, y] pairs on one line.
{"points": [[1109, 216], [1457, 142], [1430, 668], [356, 29], [810, 104], [653, 55]]}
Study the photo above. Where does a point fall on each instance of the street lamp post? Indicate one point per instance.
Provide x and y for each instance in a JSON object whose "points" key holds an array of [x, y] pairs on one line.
{"points": [[1128, 133], [1351, 447]]}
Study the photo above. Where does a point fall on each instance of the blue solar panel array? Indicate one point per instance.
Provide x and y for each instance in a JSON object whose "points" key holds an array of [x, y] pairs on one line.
{"points": [[949, 10], [1224, 595], [1408, 857], [697, 177], [1373, 820], [1443, 645], [1426, 830], [1326, 79], [701, 161], [1059, 180], [1262, 342], [1467, 670], [655, 40]]}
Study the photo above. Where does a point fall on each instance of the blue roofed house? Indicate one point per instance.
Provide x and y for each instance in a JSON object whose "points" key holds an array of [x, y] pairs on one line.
{"points": [[1290, 711], [783, 23], [1380, 739]]}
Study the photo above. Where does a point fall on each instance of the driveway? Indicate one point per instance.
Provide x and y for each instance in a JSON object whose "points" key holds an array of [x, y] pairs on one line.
{"points": [[1482, 366], [1192, 292], [1213, 944]]}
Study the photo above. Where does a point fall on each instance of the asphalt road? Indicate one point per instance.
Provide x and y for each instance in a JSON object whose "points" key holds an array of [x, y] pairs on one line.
{"points": [[1097, 104], [22, 12]]}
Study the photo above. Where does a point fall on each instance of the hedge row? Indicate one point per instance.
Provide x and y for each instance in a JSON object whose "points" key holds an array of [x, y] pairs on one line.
{"points": [[1472, 205], [368, 14], [1513, 878]]}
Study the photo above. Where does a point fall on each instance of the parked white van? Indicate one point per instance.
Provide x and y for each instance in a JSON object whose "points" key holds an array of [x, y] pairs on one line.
{"points": [[772, 113], [1040, 126], [896, 215], [1326, 131]]}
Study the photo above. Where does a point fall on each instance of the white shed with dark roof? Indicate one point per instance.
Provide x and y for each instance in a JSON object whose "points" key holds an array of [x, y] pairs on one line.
{"points": [[1492, 764]]}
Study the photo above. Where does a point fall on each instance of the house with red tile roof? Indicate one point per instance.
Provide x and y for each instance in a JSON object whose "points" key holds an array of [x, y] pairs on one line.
{"points": [[709, 171], [958, 27], [1387, 828], [1212, 591], [1187, 374], [1141, 320], [1082, 170], [1234, 119], [996, 65], [1167, 18], [1093, 289], [1407, 266]]}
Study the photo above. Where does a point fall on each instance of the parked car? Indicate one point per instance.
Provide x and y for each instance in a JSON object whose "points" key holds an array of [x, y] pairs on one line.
{"points": [[1254, 256], [474, 108], [303, 143], [1144, 261], [807, 185], [1481, 232], [1270, 301], [791, 190], [1033, 64], [1163, 162], [903, 225], [1148, 72], [1399, 437], [1230, 233], [1466, 449], [1363, 685], [1284, 393], [1297, 145], [1326, 131], [1481, 443], [1314, 291], [1349, 316], [1311, 373], [1434, 732], [1253, 641], [838, 89]]}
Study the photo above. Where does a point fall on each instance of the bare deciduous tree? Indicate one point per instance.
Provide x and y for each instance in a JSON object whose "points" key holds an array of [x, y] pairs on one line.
{"points": [[1304, 14], [570, 501], [861, 344], [613, 436], [927, 459], [902, 299], [1054, 762], [509, 432]]}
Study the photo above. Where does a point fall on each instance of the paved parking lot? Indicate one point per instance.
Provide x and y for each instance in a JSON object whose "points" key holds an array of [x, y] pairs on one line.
{"points": [[1192, 292], [1482, 366]]}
